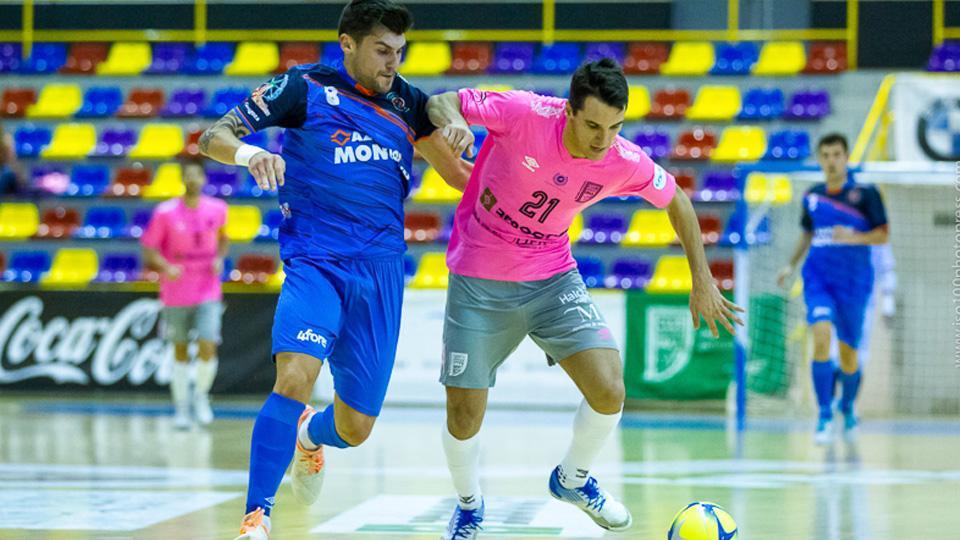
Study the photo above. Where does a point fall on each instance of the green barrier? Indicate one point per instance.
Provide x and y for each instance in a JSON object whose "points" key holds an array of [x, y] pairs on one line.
{"points": [[766, 367]]}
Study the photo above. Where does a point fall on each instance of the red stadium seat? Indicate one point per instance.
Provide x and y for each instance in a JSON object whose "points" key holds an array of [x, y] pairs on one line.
{"points": [[16, 100], [58, 222], [129, 182], [191, 146], [723, 274], [826, 57], [294, 54], [645, 58], [470, 58], [253, 268], [421, 227], [686, 179], [142, 103], [84, 57], [694, 145], [710, 228], [669, 104]]}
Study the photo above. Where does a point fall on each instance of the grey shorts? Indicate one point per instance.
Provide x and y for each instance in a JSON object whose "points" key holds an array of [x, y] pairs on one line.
{"points": [[179, 321], [486, 320]]}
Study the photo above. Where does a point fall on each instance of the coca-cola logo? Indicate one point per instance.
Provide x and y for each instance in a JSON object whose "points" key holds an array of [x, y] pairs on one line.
{"points": [[103, 349]]}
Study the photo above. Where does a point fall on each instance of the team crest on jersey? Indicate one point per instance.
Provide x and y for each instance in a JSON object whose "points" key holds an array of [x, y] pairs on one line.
{"points": [[398, 102], [588, 191], [488, 200], [854, 196], [560, 179], [269, 91]]}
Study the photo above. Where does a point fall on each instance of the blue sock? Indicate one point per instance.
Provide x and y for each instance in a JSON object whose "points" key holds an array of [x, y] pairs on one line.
{"points": [[851, 385], [271, 449], [823, 384], [323, 430]]}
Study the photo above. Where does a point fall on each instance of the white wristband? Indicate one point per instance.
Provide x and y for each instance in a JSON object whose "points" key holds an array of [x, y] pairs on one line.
{"points": [[245, 152]]}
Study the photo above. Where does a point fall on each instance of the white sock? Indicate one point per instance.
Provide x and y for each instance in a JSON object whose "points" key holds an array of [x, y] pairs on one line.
{"points": [[463, 460], [590, 431], [180, 383], [303, 435], [206, 373]]}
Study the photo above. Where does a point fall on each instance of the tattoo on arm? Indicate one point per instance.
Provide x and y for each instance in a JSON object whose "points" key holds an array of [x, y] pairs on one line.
{"points": [[230, 122]]}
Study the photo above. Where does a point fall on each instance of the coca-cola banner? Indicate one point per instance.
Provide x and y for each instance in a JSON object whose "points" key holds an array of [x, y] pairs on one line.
{"points": [[63, 340]]}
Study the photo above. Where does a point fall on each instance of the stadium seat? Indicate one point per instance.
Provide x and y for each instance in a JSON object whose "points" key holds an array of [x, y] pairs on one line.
{"points": [[715, 103], [600, 50], [119, 268], [27, 266], [270, 228], [775, 189], [808, 105], [31, 140], [409, 268], [629, 273], [142, 103], [575, 231], [221, 182], [276, 279], [253, 268], [129, 182], [762, 104], [168, 58], [731, 233], [692, 58], [16, 101], [295, 54], [158, 141], [248, 187], [591, 270], [781, 58], [18, 221], [243, 223], [421, 227], [72, 267], [433, 189], [686, 180], [432, 272], [470, 58], [3, 263], [788, 145], [103, 222], [56, 101], [447, 230], [513, 58], [671, 275], [945, 58], [45, 58], [645, 58], [254, 58], [58, 222], [710, 228], [718, 186], [722, 271], [184, 102], [115, 141], [669, 104], [83, 58], [559, 58], [426, 58], [826, 57], [655, 142], [649, 228], [734, 58], [71, 141], [11, 57], [331, 53], [167, 182], [225, 99], [694, 145], [209, 59], [638, 104], [191, 145], [126, 59], [740, 143], [49, 179], [139, 222], [87, 180], [100, 102], [603, 228]]}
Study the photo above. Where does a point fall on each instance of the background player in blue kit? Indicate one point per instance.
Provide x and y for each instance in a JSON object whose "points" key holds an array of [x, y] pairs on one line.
{"points": [[841, 220], [343, 175]]}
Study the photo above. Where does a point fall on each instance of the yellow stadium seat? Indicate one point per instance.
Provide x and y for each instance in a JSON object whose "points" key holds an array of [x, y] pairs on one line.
{"points": [[243, 223], [426, 58], [775, 189], [576, 228], [158, 141], [167, 182], [672, 275], [72, 266], [781, 58], [18, 220], [433, 189], [432, 272], [639, 103], [254, 58], [715, 103], [57, 101], [126, 59], [275, 281], [71, 141], [689, 58], [649, 228], [741, 143]]}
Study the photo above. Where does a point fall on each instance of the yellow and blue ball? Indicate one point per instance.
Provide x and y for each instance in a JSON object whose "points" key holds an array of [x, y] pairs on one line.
{"points": [[702, 521]]}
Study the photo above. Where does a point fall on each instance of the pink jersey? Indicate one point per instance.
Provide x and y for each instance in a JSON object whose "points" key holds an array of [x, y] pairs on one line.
{"points": [[526, 189], [188, 237]]}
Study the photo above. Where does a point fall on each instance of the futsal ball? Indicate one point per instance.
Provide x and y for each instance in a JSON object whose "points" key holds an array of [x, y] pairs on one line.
{"points": [[702, 521]]}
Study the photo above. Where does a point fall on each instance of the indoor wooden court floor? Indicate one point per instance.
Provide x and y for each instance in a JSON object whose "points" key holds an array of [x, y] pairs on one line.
{"points": [[116, 469]]}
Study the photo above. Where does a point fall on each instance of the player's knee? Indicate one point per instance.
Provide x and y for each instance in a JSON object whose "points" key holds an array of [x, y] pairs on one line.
{"points": [[180, 352], [356, 430], [464, 420], [609, 398], [290, 385], [206, 350]]}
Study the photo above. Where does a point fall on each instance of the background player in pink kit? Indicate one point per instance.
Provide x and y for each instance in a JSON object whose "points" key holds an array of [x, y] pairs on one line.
{"points": [[513, 274], [186, 242]]}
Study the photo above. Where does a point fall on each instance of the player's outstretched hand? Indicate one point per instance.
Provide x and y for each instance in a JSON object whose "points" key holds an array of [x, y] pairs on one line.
{"points": [[267, 169], [783, 276], [460, 139], [707, 302]]}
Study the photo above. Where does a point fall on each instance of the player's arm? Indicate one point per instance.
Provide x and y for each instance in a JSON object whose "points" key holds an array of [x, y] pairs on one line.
{"points": [[158, 262], [444, 112], [151, 241], [705, 299], [221, 142], [799, 254], [874, 237], [454, 170], [223, 248]]}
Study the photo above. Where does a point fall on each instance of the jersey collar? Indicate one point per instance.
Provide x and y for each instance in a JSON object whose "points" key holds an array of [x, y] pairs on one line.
{"points": [[352, 82]]}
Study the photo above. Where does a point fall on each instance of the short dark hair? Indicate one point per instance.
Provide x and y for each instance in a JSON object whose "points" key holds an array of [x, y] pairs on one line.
{"points": [[192, 162], [360, 17], [603, 80], [833, 138]]}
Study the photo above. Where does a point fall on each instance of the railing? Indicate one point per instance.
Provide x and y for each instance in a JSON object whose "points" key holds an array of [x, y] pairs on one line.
{"points": [[940, 31]]}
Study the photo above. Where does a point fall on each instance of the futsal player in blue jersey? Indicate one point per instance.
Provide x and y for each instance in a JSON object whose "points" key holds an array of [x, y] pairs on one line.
{"points": [[841, 220], [343, 174]]}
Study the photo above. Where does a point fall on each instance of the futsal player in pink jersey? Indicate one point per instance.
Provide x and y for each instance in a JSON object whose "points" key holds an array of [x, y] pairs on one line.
{"points": [[186, 243], [512, 273]]}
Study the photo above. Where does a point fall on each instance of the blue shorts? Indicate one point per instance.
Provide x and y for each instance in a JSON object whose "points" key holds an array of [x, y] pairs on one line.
{"points": [[347, 312], [844, 305]]}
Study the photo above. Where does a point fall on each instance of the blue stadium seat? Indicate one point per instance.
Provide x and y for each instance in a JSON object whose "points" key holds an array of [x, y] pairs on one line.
{"points": [[221, 182], [808, 105], [762, 104], [184, 102], [119, 268], [169, 58], [27, 266], [139, 222], [103, 222], [248, 188], [11, 57], [731, 235], [100, 102], [31, 140], [597, 51], [559, 58], [591, 269], [603, 228], [209, 59], [45, 58], [654, 141], [629, 273], [225, 99], [718, 186], [87, 180], [788, 144], [512, 58], [270, 228], [115, 141], [735, 58]]}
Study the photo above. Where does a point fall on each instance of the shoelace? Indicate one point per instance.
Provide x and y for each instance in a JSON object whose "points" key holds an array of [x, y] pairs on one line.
{"points": [[467, 522], [251, 521], [314, 460], [591, 492]]}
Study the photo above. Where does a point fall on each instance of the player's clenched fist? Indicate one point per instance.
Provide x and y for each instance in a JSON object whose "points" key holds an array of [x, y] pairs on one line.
{"points": [[460, 139], [267, 169]]}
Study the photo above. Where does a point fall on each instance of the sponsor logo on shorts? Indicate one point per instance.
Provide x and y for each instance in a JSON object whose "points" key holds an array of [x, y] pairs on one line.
{"points": [[588, 312], [588, 191], [573, 296], [456, 363], [821, 311], [312, 337]]}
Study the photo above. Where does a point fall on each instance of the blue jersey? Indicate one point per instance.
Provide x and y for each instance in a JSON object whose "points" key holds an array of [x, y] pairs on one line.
{"points": [[349, 153], [856, 206]]}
